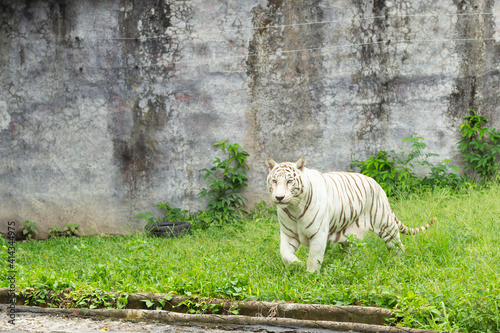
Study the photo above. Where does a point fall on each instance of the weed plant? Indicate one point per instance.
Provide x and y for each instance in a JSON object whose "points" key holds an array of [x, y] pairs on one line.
{"points": [[69, 230], [448, 278], [395, 172], [29, 230], [480, 147], [226, 180]]}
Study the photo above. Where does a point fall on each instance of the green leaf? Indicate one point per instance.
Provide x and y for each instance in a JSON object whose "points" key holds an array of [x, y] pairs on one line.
{"points": [[149, 303]]}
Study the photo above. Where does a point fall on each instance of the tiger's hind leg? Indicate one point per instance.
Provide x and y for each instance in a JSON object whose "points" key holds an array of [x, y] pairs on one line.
{"points": [[357, 229], [391, 237], [394, 243], [352, 230]]}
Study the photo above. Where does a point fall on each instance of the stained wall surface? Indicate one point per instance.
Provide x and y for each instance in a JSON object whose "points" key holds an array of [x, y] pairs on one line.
{"points": [[108, 107]]}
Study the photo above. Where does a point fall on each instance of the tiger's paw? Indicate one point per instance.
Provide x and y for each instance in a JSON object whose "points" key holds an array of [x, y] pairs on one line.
{"points": [[313, 270]]}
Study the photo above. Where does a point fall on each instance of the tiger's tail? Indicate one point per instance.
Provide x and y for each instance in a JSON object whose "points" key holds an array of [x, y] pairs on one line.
{"points": [[412, 231]]}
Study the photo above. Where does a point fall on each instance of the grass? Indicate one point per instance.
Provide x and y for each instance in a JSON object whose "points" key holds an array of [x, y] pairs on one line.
{"points": [[448, 278]]}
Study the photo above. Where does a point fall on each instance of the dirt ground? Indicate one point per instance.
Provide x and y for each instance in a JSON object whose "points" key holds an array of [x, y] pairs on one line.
{"points": [[33, 323]]}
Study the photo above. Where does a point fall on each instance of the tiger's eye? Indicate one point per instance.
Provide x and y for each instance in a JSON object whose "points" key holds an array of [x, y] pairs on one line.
{"points": [[289, 182]]}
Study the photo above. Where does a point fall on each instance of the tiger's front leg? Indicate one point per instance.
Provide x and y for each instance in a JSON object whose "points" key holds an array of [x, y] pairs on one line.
{"points": [[317, 248], [288, 247]]}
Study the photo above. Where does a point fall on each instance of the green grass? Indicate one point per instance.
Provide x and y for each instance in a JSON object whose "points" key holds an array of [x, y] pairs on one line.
{"points": [[448, 278]]}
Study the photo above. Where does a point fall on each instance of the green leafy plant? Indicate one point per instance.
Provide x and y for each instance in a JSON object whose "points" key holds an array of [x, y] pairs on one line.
{"points": [[480, 146], [148, 217], [234, 310], [395, 171], [352, 250], [351, 247], [384, 169], [55, 231], [69, 230], [262, 211], [160, 302], [441, 174], [226, 181], [94, 299], [163, 301], [29, 229], [412, 309], [36, 296], [204, 219], [196, 306], [173, 214], [43, 293], [235, 287], [169, 214], [479, 309], [149, 303]]}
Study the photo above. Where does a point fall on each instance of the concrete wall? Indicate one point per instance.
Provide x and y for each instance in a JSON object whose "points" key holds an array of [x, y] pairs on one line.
{"points": [[107, 107]]}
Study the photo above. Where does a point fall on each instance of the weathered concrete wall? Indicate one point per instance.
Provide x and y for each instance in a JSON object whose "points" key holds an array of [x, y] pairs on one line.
{"points": [[107, 107]]}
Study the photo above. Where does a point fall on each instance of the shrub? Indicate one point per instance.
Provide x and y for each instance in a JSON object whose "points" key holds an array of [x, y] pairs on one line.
{"points": [[169, 215], [384, 168], [69, 230], [395, 172], [262, 211], [226, 181], [29, 230], [480, 146]]}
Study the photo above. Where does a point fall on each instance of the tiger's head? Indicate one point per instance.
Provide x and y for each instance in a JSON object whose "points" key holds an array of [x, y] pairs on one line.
{"points": [[284, 181]]}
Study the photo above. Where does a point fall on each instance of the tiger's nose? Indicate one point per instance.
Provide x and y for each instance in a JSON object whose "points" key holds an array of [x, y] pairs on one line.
{"points": [[279, 198]]}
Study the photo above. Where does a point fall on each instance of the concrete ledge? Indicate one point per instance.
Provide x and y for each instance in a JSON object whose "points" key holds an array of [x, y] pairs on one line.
{"points": [[341, 318], [170, 317], [355, 314]]}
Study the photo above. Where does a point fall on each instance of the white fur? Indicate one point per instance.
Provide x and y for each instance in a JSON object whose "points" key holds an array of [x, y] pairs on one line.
{"points": [[314, 208]]}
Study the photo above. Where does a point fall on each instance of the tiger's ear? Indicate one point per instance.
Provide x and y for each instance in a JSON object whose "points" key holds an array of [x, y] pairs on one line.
{"points": [[301, 163], [270, 164]]}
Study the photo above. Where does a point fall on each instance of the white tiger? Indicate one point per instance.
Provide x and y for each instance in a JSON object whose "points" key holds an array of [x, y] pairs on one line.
{"points": [[315, 207]]}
